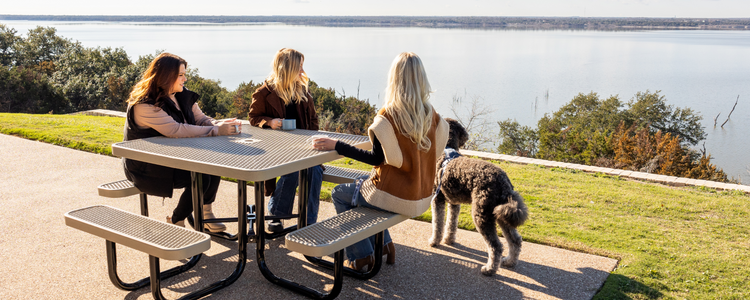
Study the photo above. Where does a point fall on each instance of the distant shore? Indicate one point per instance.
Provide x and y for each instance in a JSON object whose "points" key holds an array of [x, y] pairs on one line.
{"points": [[537, 23]]}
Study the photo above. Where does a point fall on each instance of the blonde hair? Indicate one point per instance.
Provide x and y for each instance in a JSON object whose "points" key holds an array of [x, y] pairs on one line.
{"points": [[286, 79], [158, 79], [407, 99]]}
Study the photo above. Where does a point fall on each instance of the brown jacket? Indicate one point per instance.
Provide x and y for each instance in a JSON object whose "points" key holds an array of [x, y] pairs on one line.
{"points": [[403, 183], [267, 106]]}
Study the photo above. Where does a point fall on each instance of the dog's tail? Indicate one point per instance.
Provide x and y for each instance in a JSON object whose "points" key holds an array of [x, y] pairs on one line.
{"points": [[514, 212]]}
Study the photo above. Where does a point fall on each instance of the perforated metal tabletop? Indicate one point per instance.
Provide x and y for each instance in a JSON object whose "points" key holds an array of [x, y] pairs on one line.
{"points": [[254, 155]]}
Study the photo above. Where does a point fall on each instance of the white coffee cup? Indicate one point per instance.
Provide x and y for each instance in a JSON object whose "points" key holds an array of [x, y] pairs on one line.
{"points": [[311, 139]]}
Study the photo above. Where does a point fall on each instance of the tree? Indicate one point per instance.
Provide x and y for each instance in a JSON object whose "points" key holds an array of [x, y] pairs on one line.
{"points": [[40, 45], [651, 108], [516, 139], [215, 100], [579, 131], [8, 39], [474, 120], [660, 153], [23, 90], [95, 78], [241, 100], [341, 113]]}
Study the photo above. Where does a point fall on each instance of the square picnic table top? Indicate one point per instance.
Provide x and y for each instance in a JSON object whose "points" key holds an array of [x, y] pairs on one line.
{"points": [[254, 155]]}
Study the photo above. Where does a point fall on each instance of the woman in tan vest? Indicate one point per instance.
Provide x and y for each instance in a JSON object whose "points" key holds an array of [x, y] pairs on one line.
{"points": [[407, 136]]}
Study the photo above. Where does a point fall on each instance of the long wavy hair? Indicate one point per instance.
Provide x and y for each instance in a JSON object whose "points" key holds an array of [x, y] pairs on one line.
{"points": [[407, 99], [158, 79], [285, 78]]}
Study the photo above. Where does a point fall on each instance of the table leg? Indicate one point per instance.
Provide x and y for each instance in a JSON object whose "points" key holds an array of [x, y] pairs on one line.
{"points": [[260, 245], [241, 243], [196, 185], [302, 197]]}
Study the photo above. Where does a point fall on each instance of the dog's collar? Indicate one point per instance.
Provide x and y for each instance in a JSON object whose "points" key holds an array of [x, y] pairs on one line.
{"points": [[450, 154]]}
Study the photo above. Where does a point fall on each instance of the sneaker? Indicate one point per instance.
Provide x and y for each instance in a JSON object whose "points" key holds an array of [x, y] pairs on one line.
{"points": [[212, 227], [180, 223], [275, 226]]}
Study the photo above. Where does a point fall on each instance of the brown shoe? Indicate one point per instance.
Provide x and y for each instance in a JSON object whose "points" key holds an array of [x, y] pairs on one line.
{"points": [[362, 264], [390, 250]]}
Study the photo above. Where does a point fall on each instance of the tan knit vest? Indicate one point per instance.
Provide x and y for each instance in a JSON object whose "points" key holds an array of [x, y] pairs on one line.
{"points": [[404, 182]]}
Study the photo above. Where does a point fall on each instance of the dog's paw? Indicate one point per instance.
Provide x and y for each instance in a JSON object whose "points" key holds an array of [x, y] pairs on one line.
{"points": [[509, 263], [449, 241], [487, 271], [434, 242]]}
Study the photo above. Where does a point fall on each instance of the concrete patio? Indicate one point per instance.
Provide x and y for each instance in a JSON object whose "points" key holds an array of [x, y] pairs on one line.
{"points": [[44, 259]]}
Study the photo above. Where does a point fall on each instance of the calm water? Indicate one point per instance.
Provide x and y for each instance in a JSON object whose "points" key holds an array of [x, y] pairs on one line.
{"points": [[511, 71]]}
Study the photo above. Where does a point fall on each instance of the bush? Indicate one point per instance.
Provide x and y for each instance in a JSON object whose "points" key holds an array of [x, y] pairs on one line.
{"points": [[23, 90], [95, 78], [215, 100], [342, 113]]}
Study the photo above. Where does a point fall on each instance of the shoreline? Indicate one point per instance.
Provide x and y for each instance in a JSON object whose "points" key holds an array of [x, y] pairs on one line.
{"points": [[513, 23]]}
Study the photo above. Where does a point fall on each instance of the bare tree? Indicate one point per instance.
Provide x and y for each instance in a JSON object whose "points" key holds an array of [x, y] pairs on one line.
{"points": [[474, 116]]}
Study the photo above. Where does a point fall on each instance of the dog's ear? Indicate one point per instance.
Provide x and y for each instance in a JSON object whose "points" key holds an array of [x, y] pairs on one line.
{"points": [[457, 136]]}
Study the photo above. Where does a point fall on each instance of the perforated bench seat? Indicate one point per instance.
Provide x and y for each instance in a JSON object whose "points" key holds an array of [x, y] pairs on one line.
{"points": [[118, 189], [141, 233], [333, 234], [341, 175]]}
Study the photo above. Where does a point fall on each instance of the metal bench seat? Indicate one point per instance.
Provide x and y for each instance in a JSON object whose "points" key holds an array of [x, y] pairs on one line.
{"points": [[342, 175], [118, 189], [336, 233], [332, 235], [141, 233], [157, 239]]}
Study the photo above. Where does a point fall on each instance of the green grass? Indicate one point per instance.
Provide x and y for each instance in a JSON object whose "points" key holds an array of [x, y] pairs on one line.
{"points": [[87, 133], [671, 243]]}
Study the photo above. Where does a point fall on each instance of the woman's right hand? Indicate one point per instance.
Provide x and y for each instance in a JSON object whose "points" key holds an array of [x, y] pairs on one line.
{"points": [[229, 127], [275, 123]]}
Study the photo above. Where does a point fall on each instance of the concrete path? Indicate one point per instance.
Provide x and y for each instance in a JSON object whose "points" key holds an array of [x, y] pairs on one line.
{"points": [[41, 258]]}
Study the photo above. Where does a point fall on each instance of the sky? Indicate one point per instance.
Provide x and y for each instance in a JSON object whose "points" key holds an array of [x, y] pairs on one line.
{"points": [[545, 8]]}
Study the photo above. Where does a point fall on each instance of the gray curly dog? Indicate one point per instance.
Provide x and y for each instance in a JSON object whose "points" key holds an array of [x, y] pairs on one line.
{"points": [[487, 188]]}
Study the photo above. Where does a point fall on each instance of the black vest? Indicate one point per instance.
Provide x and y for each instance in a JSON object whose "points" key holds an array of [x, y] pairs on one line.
{"points": [[149, 178]]}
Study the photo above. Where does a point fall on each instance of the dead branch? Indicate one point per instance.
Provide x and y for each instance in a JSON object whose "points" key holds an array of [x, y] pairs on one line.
{"points": [[717, 116], [730, 113]]}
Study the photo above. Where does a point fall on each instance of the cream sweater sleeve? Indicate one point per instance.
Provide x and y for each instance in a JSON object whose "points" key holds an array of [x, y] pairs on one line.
{"points": [[150, 116]]}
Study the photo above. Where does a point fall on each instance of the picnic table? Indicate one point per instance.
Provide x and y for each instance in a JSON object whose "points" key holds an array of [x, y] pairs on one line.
{"points": [[254, 155]]}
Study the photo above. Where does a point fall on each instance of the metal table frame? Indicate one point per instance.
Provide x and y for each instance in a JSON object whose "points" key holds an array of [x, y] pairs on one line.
{"points": [[232, 156]]}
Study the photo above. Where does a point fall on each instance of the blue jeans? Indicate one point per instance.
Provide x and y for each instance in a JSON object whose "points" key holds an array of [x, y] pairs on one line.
{"points": [[282, 200], [342, 200]]}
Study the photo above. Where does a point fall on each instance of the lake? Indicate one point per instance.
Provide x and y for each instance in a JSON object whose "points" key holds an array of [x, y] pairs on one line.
{"points": [[521, 74]]}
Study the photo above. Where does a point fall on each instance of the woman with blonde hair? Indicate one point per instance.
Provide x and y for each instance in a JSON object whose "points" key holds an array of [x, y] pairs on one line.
{"points": [[408, 137], [160, 105], [284, 95]]}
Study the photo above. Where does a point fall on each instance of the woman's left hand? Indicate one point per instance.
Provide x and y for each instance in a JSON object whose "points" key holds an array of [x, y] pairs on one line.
{"points": [[324, 144]]}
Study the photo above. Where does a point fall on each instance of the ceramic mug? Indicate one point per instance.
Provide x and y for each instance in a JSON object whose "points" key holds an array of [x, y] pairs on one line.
{"points": [[289, 124]]}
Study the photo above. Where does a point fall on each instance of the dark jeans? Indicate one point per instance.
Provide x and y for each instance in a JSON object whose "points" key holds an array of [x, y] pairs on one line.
{"points": [[282, 200], [185, 205]]}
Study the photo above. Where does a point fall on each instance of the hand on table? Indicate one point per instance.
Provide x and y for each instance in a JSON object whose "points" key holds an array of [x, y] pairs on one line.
{"points": [[275, 123], [229, 126], [324, 144]]}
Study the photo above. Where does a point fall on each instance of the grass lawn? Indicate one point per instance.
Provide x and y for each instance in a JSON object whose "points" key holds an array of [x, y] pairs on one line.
{"points": [[671, 243]]}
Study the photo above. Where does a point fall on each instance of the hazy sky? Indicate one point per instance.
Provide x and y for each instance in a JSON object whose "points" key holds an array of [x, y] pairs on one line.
{"points": [[565, 8]]}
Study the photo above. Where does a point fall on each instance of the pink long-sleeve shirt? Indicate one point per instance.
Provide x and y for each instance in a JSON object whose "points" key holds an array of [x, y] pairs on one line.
{"points": [[150, 116]]}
